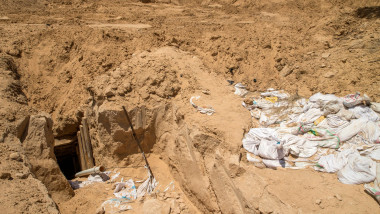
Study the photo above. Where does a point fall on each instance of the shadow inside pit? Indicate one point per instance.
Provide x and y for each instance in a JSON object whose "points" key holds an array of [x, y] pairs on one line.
{"points": [[368, 12]]}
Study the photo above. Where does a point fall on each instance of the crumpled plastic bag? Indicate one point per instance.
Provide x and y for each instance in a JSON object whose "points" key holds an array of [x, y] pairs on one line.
{"points": [[298, 146], [372, 152], [323, 99], [352, 129], [240, 89], [270, 149], [375, 107], [252, 139], [126, 190], [371, 131], [267, 120], [115, 205], [309, 116], [358, 170], [332, 107], [273, 93], [276, 163], [374, 190], [208, 111], [352, 100], [364, 112], [336, 122], [334, 162]]}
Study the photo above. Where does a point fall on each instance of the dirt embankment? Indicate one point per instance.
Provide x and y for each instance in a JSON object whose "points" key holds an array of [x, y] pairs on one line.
{"points": [[78, 58]]}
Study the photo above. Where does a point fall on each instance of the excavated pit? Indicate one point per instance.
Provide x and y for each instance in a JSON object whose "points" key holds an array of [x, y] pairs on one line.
{"points": [[202, 154], [68, 157]]}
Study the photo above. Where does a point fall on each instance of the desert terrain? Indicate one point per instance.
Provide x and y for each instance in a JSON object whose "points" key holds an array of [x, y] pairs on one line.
{"points": [[65, 60]]}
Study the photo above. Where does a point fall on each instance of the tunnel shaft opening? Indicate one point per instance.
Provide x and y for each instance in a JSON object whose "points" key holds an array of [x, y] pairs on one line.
{"points": [[68, 159]]}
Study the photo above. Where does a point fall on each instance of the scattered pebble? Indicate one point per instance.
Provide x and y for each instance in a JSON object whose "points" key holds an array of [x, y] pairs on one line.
{"points": [[329, 74], [286, 71], [5, 175], [337, 196], [21, 175], [325, 55], [15, 156], [13, 52], [206, 91], [318, 201], [100, 210]]}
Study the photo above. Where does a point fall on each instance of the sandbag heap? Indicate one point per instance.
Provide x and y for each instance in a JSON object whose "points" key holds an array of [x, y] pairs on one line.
{"points": [[332, 134]]}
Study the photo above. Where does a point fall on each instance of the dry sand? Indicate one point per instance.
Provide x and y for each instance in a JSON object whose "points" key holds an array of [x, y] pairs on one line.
{"points": [[74, 58]]}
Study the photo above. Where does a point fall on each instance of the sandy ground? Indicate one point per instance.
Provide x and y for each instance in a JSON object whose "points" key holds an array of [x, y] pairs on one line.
{"points": [[161, 54]]}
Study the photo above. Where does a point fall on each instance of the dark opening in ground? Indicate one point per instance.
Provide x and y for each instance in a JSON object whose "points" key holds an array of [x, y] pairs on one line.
{"points": [[68, 158]]}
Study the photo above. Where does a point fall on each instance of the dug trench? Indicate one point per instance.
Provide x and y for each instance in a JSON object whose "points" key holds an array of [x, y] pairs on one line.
{"points": [[202, 154], [164, 130]]}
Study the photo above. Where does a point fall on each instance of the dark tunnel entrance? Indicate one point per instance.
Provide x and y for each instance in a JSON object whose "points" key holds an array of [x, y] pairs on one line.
{"points": [[67, 154]]}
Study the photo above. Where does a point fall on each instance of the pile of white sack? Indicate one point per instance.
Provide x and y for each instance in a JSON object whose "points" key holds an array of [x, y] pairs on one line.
{"points": [[332, 134]]}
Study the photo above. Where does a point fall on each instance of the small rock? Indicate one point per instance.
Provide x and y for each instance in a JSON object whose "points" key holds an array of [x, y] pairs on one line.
{"points": [[206, 91], [161, 196], [5, 175], [145, 95], [110, 94], [286, 71], [127, 87], [21, 175], [337, 196], [329, 74], [248, 101], [256, 206], [121, 93], [323, 66], [89, 100], [215, 37], [344, 60], [100, 210], [14, 52], [267, 46], [180, 200], [325, 55], [176, 210], [166, 196], [328, 45], [15, 156], [318, 201], [182, 206]]}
